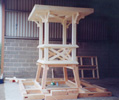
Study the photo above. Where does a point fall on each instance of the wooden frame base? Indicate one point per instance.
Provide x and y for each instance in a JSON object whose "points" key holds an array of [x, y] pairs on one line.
{"points": [[31, 89]]}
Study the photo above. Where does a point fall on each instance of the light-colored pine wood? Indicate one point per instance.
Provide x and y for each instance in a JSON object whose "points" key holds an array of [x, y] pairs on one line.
{"points": [[46, 32], [59, 92], [64, 33], [36, 92], [55, 81], [97, 68], [34, 96], [59, 97], [93, 67], [44, 77], [73, 91], [40, 39], [38, 73], [82, 74], [22, 88], [71, 82], [39, 11], [76, 76], [3, 34], [65, 74], [59, 55], [41, 34]]}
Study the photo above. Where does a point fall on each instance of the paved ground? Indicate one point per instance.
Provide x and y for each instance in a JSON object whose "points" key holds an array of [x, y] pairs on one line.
{"points": [[2, 94], [10, 91]]}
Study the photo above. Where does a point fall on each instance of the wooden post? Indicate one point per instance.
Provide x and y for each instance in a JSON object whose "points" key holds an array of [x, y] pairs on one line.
{"points": [[46, 40], [38, 73], [41, 34], [97, 67], [81, 61], [76, 75], [46, 32], [44, 77], [92, 62], [82, 71], [65, 74], [73, 38], [73, 30], [40, 40], [64, 33], [3, 33], [93, 71]]}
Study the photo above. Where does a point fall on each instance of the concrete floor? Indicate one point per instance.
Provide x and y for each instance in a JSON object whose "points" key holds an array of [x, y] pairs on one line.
{"points": [[10, 91]]}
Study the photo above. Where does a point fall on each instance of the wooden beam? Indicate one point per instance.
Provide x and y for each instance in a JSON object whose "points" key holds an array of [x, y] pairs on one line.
{"points": [[40, 39], [3, 33], [34, 96], [61, 97], [32, 91], [22, 88], [97, 67], [59, 82], [73, 38], [71, 82], [73, 91], [64, 33], [44, 77], [46, 31], [73, 30], [37, 85], [65, 74], [38, 73], [76, 76], [95, 94], [28, 83], [58, 92], [58, 88]]}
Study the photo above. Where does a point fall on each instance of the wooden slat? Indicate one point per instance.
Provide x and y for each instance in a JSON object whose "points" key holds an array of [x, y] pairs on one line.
{"points": [[34, 96], [38, 73], [73, 91], [90, 90], [44, 77], [76, 76], [65, 74], [22, 88], [93, 67], [59, 92], [59, 97], [97, 68], [95, 94], [3, 33]]}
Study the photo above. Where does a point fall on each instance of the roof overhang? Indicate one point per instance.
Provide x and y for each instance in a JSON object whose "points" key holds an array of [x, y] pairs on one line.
{"points": [[57, 13]]}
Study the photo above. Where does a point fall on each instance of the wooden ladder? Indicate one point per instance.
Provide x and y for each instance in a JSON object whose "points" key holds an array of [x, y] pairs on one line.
{"points": [[89, 64]]}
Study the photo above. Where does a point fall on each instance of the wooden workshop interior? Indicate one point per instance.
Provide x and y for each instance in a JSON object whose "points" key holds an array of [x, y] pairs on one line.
{"points": [[61, 55]]}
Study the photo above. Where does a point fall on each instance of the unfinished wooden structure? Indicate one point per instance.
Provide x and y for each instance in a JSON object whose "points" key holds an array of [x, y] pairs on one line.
{"points": [[58, 55], [88, 64]]}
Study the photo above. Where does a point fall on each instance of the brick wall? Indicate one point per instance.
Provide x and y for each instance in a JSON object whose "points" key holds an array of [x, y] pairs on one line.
{"points": [[20, 58]]}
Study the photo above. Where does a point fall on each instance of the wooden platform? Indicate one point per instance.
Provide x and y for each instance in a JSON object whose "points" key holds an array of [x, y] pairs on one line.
{"points": [[31, 89]]}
